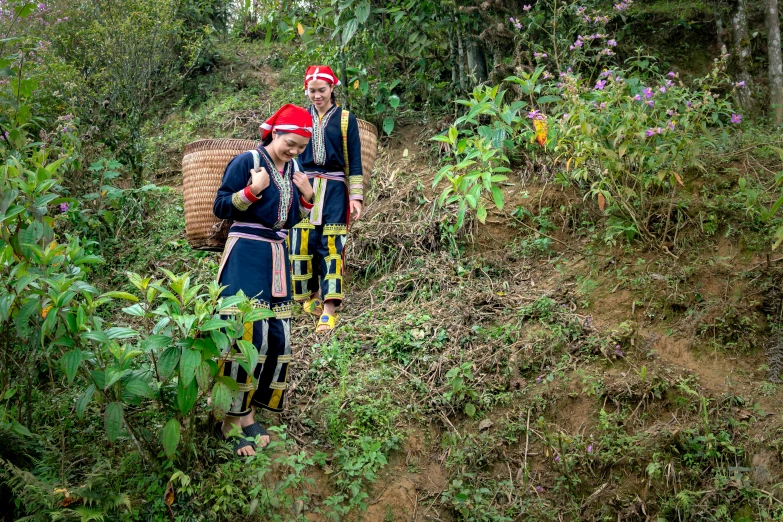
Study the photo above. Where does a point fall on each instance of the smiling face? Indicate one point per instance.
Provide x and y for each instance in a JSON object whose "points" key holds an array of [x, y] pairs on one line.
{"points": [[288, 146], [320, 93]]}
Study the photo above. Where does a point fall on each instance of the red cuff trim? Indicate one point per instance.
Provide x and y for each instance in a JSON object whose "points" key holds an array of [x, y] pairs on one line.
{"points": [[249, 195], [305, 204]]}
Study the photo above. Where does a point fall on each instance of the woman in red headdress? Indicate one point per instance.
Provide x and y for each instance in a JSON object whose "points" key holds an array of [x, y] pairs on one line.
{"points": [[333, 163], [264, 194]]}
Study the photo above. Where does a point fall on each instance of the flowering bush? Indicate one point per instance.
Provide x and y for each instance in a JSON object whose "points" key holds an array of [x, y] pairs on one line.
{"points": [[631, 140]]}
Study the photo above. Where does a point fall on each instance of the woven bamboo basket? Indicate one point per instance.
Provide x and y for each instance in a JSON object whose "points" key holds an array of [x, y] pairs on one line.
{"points": [[203, 165], [368, 135]]}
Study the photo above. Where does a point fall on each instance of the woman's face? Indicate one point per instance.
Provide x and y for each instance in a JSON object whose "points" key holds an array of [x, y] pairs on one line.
{"points": [[289, 145], [320, 93]]}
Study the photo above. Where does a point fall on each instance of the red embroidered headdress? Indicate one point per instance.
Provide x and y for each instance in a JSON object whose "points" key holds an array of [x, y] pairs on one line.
{"points": [[289, 118], [321, 72]]}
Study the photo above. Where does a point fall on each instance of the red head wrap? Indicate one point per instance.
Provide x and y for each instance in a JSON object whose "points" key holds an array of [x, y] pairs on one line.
{"points": [[321, 72], [289, 118]]}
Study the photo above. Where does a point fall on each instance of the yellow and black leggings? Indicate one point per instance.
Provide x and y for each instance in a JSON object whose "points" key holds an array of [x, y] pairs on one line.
{"points": [[317, 250]]}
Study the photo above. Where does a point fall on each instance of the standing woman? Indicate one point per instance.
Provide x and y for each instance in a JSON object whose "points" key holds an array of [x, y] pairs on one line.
{"points": [[317, 245], [263, 204]]}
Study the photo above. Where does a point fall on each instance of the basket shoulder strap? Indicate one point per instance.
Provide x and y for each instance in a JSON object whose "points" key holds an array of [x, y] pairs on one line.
{"points": [[344, 129], [296, 166], [256, 159]]}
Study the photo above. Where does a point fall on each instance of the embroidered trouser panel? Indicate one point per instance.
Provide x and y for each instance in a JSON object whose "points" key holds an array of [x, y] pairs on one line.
{"points": [[251, 267], [317, 251]]}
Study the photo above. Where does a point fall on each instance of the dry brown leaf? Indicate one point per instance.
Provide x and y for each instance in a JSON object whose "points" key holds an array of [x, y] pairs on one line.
{"points": [[168, 496], [601, 201], [679, 179]]}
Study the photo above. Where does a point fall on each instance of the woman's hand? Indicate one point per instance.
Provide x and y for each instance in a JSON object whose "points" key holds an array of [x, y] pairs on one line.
{"points": [[356, 209], [303, 184], [259, 180]]}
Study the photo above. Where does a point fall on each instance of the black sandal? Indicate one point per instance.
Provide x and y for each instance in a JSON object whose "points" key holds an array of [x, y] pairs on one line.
{"points": [[237, 442], [254, 431]]}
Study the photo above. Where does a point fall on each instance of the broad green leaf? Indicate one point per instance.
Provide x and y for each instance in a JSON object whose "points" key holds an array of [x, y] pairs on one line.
{"points": [[548, 99], [363, 11], [113, 420], [191, 359], [168, 362], [250, 354], [481, 213], [470, 410], [155, 342], [258, 314], [135, 310], [349, 29], [70, 363], [214, 324], [394, 101], [388, 125], [84, 400], [221, 399], [170, 437], [138, 386], [202, 375], [497, 197], [186, 396], [119, 332]]}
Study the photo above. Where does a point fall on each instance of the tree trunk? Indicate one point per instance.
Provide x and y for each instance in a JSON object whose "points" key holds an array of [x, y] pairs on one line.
{"points": [[477, 62], [775, 62], [453, 61], [741, 57], [461, 62]]}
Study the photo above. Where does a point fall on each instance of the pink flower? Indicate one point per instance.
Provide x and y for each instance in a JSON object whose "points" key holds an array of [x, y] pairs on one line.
{"points": [[612, 43], [527, 8], [663, 88], [518, 25], [638, 97], [649, 133], [658, 130], [671, 74], [740, 84], [736, 118], [651, 103], [669, 83], [648, 92], [600, 84], [511, 20]]}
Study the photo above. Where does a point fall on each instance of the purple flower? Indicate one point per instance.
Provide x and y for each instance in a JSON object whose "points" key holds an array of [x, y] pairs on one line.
{"points": [[547, 75], [612, 43], [568, 70], [511, 20], [638, 97], [618, 80], [534, 114], [539, 56], [649, 133], [670, 112], [538, 379], [658, 130], [669, 83], [518, 25], [63, 207], [557, 458], [651, 103], [602, 106], [688, 104], [600, 84], [736, 118], [587, 19], [566, 116], [590, 448], [570, 47], [671, 125], [539, 489], [606, 73], [671, 74], [578, 42], [740, 84], [559, 85], [663, 88], [527, 8], [41, 7], [648, 92]]}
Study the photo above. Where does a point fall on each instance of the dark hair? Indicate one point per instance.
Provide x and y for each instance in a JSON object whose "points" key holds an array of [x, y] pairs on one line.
{"points": [[266, 141]]}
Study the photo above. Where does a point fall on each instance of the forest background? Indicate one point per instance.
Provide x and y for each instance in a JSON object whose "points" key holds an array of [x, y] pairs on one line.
{"points": [[565, 298]]}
